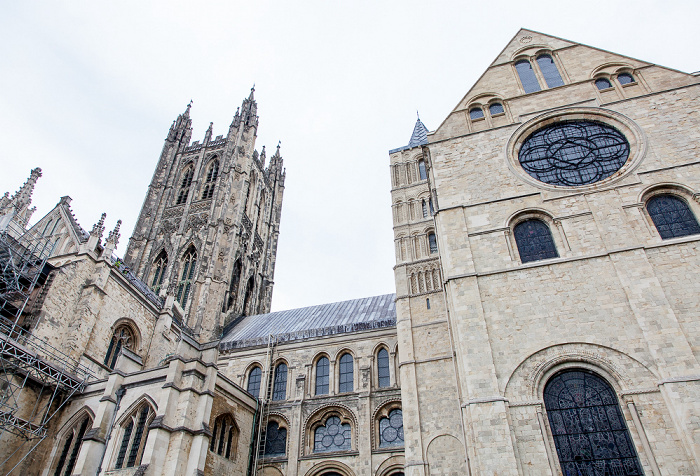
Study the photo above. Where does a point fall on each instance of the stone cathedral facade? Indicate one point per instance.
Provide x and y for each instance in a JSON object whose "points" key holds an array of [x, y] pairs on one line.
{"points": [[545, 320]]}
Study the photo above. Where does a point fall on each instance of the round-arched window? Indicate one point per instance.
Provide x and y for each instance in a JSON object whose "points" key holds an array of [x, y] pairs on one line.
{"points": [[574, 153]]}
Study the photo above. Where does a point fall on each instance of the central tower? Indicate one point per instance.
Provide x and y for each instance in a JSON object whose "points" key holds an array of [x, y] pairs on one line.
{"points": [[208, 228]]}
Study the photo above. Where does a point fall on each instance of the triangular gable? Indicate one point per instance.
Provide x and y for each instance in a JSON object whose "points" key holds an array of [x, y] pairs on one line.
{"points": [[59, 225]]}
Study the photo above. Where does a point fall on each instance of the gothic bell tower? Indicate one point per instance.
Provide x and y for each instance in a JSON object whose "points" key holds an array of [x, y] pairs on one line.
{"points": [[208, 228]]}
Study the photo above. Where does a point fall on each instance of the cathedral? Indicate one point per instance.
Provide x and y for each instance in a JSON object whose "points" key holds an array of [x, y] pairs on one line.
{"points": [[545, 322]]}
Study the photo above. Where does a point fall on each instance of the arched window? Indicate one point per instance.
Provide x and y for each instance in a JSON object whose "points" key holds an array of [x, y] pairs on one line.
{"points": [[322, 372], [159, 267], [275, 439], [250, 194], [123, 337], [391, 429], [476, 113], [248, 298], [189, 265], [233, 286], [261, 211], [279, 390], [549, 71], [383, 374], [185, 183], [432, 243], [210, 179], [625, 78], [224, 437], [70, 446], [421, 170], [589, 430], [534, 241], [496, 108], [602, 83], [672, 217], [134, 435], [346, 374], [333, 436], [254, 378], [527, 76]]}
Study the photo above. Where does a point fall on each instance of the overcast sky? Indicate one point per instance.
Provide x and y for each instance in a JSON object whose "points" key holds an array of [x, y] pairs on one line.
{"points": [[89, 89]]}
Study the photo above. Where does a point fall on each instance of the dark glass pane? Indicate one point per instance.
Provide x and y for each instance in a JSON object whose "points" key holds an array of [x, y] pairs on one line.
{"points": [[64, 454], [527, 76], [254, 381], [476, 113], [136, 445], [125, 443], [322, 369], [391, 430], [496, 108], [602, 83], [275, 440], [229, 443], [334, 436], [212, 444], [346, 373], [383, 368], [549, 71], [588, 426], [672, 217], [534, 241], [222, 437], [625, 78], [432, 242], [424, 205], [76, 447], [421, 170], [279, 392], [574, 153]]}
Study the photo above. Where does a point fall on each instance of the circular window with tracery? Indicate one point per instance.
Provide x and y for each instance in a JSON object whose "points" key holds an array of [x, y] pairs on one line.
{"points": [[574, 153]]}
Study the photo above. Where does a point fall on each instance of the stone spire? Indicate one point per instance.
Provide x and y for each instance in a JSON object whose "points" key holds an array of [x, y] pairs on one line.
{"points": [[181, 130], [20, 201], [99, 227], [112, 240], [207, 136], [262, 156]]}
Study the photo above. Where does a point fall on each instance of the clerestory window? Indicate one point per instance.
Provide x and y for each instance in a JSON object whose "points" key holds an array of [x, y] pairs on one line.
{"points": [[383, 374], [279, 391], [322, 376], [254, 378], [346, 374]]}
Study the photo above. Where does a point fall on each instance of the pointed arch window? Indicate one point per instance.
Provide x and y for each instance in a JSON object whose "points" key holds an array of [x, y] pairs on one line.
{"points": [[248, 298], [134, 435], [233, 286], [322, 374], [159, 267], [261, 211], [210, 179], [383, 374], [391, 429], [672, 217], [70, 446], [279, 390], [275, 440], [422, 172], [527, 76], [549, 71], [123, 338], [346, 374], [224, 437], [254, 379], [588, 427], [534, 241], [185, 183], [184, 287]]}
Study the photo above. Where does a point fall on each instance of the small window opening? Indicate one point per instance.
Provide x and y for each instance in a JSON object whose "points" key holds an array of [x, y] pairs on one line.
{"points": [[476, 113], [602, 83], [427, 303], [625, 78], [496, 108]]}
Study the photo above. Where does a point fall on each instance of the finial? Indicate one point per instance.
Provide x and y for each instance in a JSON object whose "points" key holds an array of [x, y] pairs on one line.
{"points": [[418, 115], [99, 227], [114, 234]]}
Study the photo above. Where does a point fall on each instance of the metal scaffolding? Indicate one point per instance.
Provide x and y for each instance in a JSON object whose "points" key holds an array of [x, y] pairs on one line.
{"points": [[36, 379]]}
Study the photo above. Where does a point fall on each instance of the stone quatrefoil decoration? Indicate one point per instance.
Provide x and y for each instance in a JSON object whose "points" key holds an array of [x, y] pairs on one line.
{"points": [[574, 153]]}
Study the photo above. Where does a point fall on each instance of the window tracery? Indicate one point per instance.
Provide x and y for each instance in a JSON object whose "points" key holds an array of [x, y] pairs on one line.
{"points": [[189, 265], [224, 438], [391, 429], [275, 438], [134, 435], [333, 435], [210, 180], [185, 183], [70, 446], [159, 266], [123, 337]]}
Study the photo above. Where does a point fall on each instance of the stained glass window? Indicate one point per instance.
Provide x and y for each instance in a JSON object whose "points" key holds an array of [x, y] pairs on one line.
{"points": [[254, 381], [322, 369], [527, 76], [391, 429], [574, 153], [476, 113], [672, 217], [496, 109], [383, 368], [275, 440], [549, 71], [625, 78], [589, 430], [279, 391], [333, 436], [346, 374], [534, 241], [602, 83]]}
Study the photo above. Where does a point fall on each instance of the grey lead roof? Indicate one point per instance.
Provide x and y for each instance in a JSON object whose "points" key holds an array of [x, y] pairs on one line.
{"points": [[419, 137], [312, 322]]}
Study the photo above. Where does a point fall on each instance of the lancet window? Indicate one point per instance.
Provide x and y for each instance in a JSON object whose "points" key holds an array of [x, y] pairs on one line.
{"points": [[188, 268], [210, 179], [185, 183], [123, 337], [70, 446], [159, 266], [224, 436], [134, 435], [383, 373]]}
